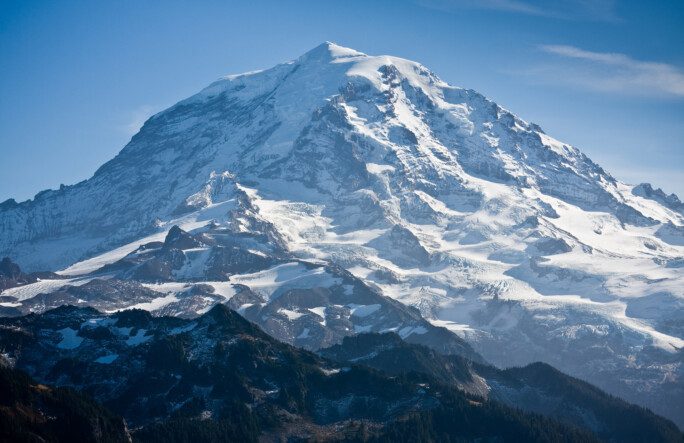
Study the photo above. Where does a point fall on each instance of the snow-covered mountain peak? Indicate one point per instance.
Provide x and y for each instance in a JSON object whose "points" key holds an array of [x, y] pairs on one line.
{"points": [[327, 52], [432, 193], [381, 132]]}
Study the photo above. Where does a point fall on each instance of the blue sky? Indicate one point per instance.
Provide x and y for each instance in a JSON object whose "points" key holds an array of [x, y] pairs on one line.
{"points": [[77, 78]]}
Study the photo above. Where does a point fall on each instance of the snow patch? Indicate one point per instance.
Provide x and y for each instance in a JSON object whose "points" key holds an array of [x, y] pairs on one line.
{"points": [[69, 339], [107, 359], [291, 315], [138, 338], [362, 310]]}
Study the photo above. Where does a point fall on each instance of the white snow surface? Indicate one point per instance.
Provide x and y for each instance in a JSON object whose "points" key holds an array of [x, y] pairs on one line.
{"points": [[363, 310], [30, 290], [274, 281]]}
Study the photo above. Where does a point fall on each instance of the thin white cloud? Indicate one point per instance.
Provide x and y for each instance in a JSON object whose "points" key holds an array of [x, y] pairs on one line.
{"points": [[609, 72], [496, 5], [136, 118], [588, 10]]}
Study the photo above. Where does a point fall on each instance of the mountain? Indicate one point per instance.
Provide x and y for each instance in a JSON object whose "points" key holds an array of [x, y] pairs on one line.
{"points": [[302, 303], [218, 377], [534, 388], [430, 194]]}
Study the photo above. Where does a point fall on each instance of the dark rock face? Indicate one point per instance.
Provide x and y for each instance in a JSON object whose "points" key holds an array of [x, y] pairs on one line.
{"points": [[177, 238], [549, 246], [160, 266], [159, 262], [229, 260], [671, 201], [403, 247], [12, 276], [9, 270], [108, 294]]}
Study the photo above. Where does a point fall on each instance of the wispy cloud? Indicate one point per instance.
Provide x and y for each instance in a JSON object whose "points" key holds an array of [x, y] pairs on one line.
{"points": [[608, 72], [588, 10], [136, 118]]}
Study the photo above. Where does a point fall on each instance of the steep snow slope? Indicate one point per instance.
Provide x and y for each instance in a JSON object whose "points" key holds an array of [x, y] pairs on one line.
{"points": [[435, 194]]}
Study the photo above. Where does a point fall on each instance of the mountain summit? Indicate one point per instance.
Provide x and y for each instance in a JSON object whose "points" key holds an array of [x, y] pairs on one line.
{"points": [[431, 193]]}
